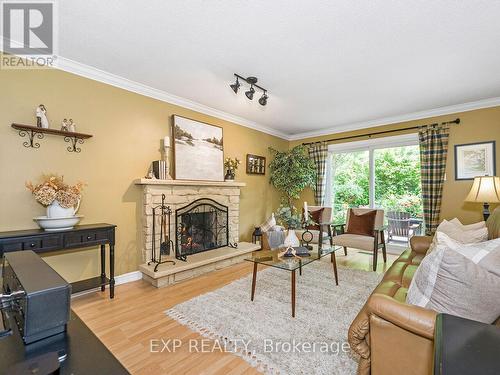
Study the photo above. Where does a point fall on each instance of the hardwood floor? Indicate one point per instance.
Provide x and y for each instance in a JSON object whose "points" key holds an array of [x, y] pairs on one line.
{"points": [[134, 322]]}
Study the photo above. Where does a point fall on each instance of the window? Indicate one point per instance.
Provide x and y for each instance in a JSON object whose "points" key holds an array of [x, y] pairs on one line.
{"points": [[379, 173]]}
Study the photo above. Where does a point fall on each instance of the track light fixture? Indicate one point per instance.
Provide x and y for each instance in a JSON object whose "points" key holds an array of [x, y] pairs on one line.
{"points": [[235, 86], [263, 99], [252, 81], [249, 93]]}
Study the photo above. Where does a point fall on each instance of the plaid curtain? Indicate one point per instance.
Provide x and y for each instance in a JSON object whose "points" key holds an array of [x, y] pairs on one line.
{"points": [[433, 154], [318, 152]]}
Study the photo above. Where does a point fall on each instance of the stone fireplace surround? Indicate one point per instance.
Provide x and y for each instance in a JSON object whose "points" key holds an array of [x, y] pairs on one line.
{"points": [[179, 193]]}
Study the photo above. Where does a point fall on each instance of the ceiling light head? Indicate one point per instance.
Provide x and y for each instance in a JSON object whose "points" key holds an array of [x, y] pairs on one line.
{"points": [[263, 99], [235, 86], [249, 93]]}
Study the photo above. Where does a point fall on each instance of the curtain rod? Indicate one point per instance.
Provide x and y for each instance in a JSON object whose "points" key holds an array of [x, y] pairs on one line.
{"points": [[456, 121]]}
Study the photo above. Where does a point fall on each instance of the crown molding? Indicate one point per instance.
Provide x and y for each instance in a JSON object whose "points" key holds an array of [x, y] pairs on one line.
{"points": [[95, 74], [441, 111]]}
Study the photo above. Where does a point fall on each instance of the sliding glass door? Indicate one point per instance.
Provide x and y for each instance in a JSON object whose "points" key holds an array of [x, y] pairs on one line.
{"points": [[381, 173]]}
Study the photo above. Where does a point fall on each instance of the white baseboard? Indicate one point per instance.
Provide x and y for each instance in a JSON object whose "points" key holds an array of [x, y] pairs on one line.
{"points": [[120, 279]]}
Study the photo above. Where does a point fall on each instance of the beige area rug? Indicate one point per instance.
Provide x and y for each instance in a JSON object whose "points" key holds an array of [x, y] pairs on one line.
{"points": [[263, 332]]}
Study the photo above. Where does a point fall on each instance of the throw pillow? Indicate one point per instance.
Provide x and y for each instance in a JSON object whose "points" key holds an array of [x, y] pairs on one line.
{"points": [[454, 230], [269, 224], [448, 282], [316, 217], [478, 225], [361, 224], [486, 254]]}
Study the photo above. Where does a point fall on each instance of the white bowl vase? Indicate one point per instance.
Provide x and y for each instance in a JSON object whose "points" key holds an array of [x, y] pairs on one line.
{"points": [[55, 210], [291, 239]]}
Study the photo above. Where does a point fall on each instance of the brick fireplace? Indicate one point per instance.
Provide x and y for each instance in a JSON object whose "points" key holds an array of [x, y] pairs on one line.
{"points": [[181, 196]]}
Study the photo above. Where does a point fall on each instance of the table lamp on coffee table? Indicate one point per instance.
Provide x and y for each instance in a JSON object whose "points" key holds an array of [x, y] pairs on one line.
{"points": [[486, 190]]}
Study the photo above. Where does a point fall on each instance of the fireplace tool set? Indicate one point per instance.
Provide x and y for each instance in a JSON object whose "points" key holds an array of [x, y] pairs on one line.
{"points": [[161, 215]]}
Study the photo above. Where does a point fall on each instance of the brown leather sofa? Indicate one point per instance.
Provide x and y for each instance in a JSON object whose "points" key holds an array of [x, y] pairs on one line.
{"points": [[391, 336]]}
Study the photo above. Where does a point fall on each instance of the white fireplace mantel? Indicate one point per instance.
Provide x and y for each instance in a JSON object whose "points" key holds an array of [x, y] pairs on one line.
{"points": [[146, 181]]}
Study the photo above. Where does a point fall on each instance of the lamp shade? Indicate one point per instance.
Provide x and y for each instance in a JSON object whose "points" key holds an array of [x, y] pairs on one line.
{"points": [[485, 189]]}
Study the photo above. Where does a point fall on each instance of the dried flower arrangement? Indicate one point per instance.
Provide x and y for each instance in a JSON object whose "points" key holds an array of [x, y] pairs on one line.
{"points": [[53, 188]]}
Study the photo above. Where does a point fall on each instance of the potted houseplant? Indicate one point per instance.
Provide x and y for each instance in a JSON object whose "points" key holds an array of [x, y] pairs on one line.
{"points": [[231, 166], [291, 172]]}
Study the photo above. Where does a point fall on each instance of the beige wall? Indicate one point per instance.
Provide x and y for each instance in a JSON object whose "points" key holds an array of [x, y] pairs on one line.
{"points": [[475, 126], [127, 130]]}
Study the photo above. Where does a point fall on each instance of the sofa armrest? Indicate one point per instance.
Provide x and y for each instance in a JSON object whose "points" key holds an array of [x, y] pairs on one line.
{"points": [[415, 319], [420, 244]]}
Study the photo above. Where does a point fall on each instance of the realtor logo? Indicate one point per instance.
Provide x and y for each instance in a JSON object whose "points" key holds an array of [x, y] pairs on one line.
{"points": [[28, 28], [29, 37]]}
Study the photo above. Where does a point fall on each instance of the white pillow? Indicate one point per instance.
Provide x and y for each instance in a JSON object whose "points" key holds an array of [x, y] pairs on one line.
{"points": [[479, 225], [485, 254], [458, 233], [454, 229]]}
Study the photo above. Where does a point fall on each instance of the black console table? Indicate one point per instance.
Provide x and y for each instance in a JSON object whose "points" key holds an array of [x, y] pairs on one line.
{"points": [[465, 347], [81, 236], [85, 354]]}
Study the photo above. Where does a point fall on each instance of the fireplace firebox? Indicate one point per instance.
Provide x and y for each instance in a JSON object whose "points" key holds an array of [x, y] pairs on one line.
{"points": [[200, 226]]}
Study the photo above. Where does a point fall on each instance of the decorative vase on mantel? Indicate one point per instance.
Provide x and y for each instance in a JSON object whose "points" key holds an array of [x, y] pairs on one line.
{"points": [[55, 210], [229, 175]]}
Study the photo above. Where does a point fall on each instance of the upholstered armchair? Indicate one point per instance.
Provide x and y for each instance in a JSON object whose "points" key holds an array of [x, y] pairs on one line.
{"points": [[342, 237], [322, 230]]}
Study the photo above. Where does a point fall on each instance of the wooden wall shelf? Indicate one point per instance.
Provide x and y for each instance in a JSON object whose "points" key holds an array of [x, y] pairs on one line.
{"points": [[33, 132]]}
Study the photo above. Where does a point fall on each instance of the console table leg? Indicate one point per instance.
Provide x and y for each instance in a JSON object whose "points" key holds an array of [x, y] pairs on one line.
{"points": [[103, 266], [111, 271], [254, 279], [293, 294]]}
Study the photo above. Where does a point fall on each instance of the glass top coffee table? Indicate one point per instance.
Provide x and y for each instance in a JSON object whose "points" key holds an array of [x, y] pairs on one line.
{"points": [[274, 258]]}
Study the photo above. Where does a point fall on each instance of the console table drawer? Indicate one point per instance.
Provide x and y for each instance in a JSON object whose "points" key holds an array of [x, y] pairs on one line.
{"points": [[41, 243], [87, 238]]}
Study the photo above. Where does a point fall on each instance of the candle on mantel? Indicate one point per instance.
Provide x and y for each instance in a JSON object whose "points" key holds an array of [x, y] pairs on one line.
{"points": [[306, 212], [166, 142]]}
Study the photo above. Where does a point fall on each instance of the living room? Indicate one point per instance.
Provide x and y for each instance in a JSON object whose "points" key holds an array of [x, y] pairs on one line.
{"points": [[229, 188]]}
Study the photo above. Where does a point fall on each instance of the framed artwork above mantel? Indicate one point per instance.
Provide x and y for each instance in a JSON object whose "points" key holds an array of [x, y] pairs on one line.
{"points": [[475, 160], [198, 150]]}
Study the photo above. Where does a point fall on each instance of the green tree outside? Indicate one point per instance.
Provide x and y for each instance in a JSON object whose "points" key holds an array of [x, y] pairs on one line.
{"points": [[397, 181]]}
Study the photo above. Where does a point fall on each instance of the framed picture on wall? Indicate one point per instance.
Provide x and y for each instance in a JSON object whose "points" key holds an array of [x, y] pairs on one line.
{"points": [[198, 150], [475, 159]]}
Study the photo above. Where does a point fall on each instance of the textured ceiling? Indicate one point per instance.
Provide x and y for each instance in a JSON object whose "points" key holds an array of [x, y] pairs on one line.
{"points": [[326, 64]]}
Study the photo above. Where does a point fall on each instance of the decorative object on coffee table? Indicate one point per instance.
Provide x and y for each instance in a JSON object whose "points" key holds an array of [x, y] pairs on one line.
{"points": [[256, 164], [474, 160], [231, 165], [485, 190], [198, 150], [62, 201]]}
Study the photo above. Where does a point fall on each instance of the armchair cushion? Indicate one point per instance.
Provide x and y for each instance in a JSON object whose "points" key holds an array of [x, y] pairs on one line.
{"points": [[356, 241], [362, 224]]}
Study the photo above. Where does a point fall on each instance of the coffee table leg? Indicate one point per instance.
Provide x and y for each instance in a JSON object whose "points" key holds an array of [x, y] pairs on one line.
{"points": [[254, 279], [334, 261], [300, 267], [293, 294]]}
